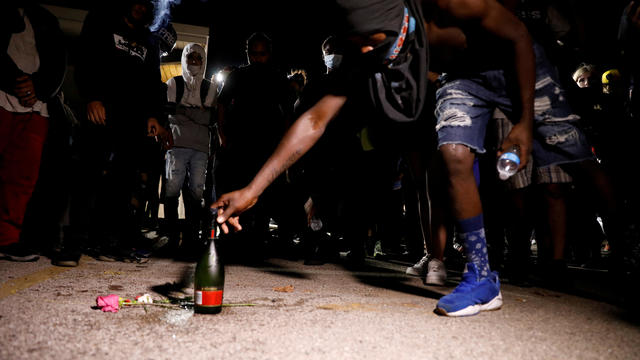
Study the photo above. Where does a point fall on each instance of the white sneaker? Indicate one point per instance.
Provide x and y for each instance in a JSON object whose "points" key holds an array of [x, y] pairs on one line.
{"points": [[419, 268], [436, 273]]}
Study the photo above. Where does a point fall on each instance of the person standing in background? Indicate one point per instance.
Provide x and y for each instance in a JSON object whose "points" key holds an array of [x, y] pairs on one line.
{"points": [[118, 75], [193, 97], [33, 62]]}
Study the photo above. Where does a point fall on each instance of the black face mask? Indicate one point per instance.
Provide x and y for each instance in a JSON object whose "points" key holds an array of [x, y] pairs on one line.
{"points": [[397, 88], [377, 57]]}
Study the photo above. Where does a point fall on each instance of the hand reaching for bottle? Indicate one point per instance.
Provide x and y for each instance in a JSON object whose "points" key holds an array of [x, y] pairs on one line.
{"points": [[231, 205]]}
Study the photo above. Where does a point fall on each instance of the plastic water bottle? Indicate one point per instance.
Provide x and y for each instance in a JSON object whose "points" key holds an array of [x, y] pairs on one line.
{"points": [[508, 162]]}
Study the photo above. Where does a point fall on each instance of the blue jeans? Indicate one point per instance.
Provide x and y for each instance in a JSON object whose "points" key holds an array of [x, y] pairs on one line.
{"points": [[464, 106], [179, 163]]}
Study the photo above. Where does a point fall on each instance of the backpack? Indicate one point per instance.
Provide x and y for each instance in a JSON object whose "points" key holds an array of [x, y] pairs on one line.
{"points": [[204, 89], [399, 91]]}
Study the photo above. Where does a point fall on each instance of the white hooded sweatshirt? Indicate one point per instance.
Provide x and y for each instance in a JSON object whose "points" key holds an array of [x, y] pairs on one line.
{"points": [[190, 124]]}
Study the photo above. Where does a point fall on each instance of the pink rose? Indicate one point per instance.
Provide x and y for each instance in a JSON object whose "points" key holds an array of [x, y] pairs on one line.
{"points": [[108, 303]]}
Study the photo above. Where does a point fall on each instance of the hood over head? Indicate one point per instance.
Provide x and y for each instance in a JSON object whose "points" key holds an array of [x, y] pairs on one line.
{"points": [[193, 75], [190, 74]]}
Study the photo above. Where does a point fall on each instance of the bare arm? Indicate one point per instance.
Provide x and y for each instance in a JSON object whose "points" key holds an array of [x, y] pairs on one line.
{"points": [[300, 137]]}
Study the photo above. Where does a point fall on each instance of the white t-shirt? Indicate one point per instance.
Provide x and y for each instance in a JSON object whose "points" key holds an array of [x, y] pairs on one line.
{"points": [[22, 50]]}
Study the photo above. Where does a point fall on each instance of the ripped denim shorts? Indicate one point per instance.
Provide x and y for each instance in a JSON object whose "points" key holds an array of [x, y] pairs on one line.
{"points": [[465, 105]]}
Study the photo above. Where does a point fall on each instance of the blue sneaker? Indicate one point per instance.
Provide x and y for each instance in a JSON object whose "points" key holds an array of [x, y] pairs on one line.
{"points": [[472, 295]]}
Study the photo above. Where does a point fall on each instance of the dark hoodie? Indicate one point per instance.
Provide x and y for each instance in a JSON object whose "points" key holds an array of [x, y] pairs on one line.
{"points": [[119, 67]]}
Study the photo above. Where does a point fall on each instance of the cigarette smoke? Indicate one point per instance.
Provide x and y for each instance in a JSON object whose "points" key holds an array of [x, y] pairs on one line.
{"points": [[162, 13]]}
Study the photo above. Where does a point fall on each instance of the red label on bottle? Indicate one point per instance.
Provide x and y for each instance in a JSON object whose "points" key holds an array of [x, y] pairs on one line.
{"points": [[213, 234], [209, 298]]}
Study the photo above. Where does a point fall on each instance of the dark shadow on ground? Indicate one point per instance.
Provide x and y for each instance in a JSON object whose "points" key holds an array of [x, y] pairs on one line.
{"points": [[272, 268], [391, 280]]}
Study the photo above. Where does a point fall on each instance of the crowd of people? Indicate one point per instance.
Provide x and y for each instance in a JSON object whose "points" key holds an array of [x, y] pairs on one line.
{"points": [[390, 152]]}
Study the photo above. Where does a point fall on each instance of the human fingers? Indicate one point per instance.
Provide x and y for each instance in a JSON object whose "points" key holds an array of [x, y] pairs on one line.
{"points": [[28, 101], [91, 116], [235, 222], [223, 213], [24, 90], [225, 228], [102, 115], [151, 129]]}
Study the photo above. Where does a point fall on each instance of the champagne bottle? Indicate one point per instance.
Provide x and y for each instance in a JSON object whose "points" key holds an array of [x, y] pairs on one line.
{"points": [[209, 275]]}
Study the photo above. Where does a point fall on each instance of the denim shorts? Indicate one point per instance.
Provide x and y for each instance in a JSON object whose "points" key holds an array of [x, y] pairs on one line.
{"points": [[464, 107], [552, 174]]}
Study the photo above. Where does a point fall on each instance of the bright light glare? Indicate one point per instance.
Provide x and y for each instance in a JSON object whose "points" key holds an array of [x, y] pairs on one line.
{"points": [[220, 77]]}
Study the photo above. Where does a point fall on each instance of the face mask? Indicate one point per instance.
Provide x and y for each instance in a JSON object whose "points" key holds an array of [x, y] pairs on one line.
{"points": [[332, 61], [193, 69]]}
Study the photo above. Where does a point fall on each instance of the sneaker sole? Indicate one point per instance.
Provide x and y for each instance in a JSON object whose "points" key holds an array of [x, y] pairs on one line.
{"points": [[438, 280], [413, 272], [493, 304], [66, 263], [29, 258], [106, 258]]}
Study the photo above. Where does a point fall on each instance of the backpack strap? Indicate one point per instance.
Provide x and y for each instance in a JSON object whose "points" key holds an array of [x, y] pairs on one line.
{"points": [[204, 90], [179, 88]]}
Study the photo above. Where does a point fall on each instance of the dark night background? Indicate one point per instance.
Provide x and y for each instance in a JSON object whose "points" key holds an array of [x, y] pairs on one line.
{"points": [[297, 27]]}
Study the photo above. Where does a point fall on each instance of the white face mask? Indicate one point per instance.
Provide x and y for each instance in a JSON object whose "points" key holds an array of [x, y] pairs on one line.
{"points": [[332, 61], [193, 69]]}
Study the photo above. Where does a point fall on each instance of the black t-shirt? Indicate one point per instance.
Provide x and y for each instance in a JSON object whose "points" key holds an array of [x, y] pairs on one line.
{"points": [[119, 66], [255, 98]]}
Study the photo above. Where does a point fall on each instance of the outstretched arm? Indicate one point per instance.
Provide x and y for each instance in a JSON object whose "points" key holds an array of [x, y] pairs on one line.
{"points": [[300, 137]]}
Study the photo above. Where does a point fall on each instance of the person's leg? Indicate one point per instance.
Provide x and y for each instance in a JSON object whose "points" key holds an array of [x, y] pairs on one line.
{"points": [[22, 137], [555, 268], [432, 211], [554, 196], [175, 173], [193, 200], [590, 175], [463, 111], [515, 213], [479, 289], [467, 207]]}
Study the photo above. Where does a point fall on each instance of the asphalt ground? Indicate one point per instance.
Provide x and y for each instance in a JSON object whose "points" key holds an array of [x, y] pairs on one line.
{"points": [[282, 309]]}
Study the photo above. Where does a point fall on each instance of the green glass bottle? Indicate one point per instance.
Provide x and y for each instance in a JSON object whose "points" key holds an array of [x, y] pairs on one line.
{"points": [[209, 275]]}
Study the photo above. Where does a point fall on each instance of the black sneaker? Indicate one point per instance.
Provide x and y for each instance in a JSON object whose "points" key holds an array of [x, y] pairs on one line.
{"points": [[18, 252], [114, 254], [66, 258]]}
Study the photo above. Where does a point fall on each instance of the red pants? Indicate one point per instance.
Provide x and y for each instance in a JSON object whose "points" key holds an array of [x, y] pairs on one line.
{"points": [[22, 137]]}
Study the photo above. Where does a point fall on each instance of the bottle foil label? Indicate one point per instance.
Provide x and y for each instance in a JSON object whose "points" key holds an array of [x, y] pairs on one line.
{"points": [[208, 298]]}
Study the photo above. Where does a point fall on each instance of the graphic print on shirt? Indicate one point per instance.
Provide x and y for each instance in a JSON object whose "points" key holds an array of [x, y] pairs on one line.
{"points": [[132, 48]]}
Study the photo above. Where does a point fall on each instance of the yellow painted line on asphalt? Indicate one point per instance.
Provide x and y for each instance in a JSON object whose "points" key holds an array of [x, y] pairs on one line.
{"points": [[11, 287]]}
